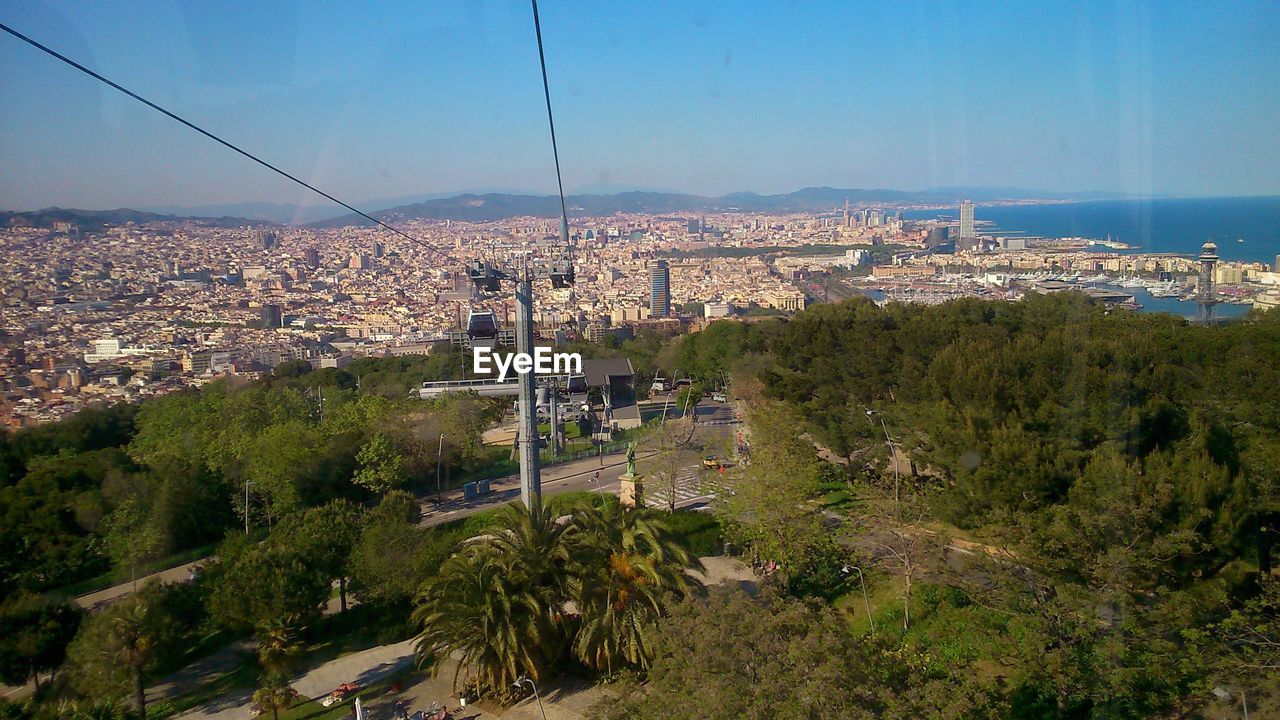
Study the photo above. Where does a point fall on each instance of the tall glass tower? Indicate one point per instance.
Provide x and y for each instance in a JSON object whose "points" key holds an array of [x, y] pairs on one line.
{"points": [[659, 289], [967, 234]]}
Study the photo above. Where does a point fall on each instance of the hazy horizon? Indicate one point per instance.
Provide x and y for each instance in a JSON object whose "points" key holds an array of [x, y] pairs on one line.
{"points": [[400, 100], [316, 212]]}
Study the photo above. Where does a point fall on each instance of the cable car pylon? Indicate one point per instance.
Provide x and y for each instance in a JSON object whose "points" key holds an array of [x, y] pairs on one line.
{"points": [[559, 271]]}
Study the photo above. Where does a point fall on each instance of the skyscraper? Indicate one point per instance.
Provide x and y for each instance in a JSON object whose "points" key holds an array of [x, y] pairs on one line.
{"points": [[271, 316], [312, 257], [967, 234], [659, 289]]}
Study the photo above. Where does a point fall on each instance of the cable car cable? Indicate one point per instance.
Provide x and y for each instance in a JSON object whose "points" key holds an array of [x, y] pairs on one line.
{"points": [[219, 140], [555, 152]]}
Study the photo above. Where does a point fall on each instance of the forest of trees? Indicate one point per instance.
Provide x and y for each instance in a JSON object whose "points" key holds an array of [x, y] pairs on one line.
{"points": [[124, 485], [1080, 523], [1054, 511]]}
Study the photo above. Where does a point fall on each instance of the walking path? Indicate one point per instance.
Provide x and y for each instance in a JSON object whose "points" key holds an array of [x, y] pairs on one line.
{"points": [[563, 699], [97, 599]]}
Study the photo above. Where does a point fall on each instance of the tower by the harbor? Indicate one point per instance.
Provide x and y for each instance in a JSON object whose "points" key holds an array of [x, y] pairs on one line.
{"points": [[967, 234], [1206, 290]]}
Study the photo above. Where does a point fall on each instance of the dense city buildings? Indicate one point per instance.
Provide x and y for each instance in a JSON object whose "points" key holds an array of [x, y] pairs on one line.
{"points": [[122, 312]]}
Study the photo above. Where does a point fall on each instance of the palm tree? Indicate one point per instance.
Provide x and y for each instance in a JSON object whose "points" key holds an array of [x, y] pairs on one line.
{"points": [[276, 694], [277, 646], [535, 545], [132, 638], [499, 601], [630, 565]]}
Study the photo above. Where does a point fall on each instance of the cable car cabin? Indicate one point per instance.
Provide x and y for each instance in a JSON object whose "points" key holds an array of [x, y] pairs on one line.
{"points": [[562, 277], [483, 276], [482, 328]]}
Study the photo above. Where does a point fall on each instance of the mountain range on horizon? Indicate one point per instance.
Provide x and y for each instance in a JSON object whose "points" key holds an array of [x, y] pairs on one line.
{"points": [[489, 204]]}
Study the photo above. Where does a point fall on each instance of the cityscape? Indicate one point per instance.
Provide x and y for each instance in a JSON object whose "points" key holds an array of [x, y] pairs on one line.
{"points": [[489, 359], [125, 312]]}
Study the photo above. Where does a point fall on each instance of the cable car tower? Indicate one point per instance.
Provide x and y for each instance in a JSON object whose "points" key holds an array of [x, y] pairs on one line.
{"points": [[559, 270], [1206, 284]]}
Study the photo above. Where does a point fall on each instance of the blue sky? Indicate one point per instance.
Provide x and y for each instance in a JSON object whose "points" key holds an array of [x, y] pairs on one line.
{"points": [[378, 100]]}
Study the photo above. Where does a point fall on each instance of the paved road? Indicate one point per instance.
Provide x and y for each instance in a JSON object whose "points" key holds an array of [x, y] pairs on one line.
{"points": [[575, 476], [713, 420], [692, 486]]}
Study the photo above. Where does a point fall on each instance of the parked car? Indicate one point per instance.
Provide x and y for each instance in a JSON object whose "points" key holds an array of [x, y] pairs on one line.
{"points": [[720, 398]]}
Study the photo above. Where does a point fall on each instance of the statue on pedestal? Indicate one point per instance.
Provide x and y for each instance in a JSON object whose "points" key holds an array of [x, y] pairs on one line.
{"points": [[630, 487]]}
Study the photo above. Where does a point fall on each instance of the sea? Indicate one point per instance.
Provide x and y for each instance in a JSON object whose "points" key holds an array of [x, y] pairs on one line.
{"points": [[1155, 225], [1148, 303], [1244, 228]]}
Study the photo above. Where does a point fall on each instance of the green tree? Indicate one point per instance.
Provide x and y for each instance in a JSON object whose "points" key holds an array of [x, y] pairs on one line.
{"points": [[393, 555], [116, 647], [280, 462], [772, 508], [267, 584], [629, 568], [324, 536], [497, 603], [278, 647], [1246, 644], [772, 656], [381, 466], [131, 538], [34, 634], [275, 694]]}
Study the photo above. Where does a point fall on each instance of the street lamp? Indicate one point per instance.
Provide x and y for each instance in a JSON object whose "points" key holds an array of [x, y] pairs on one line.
{"points": [[863, 581], [439, 457], [525, 680], [1224, 695], [893, 454]]}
